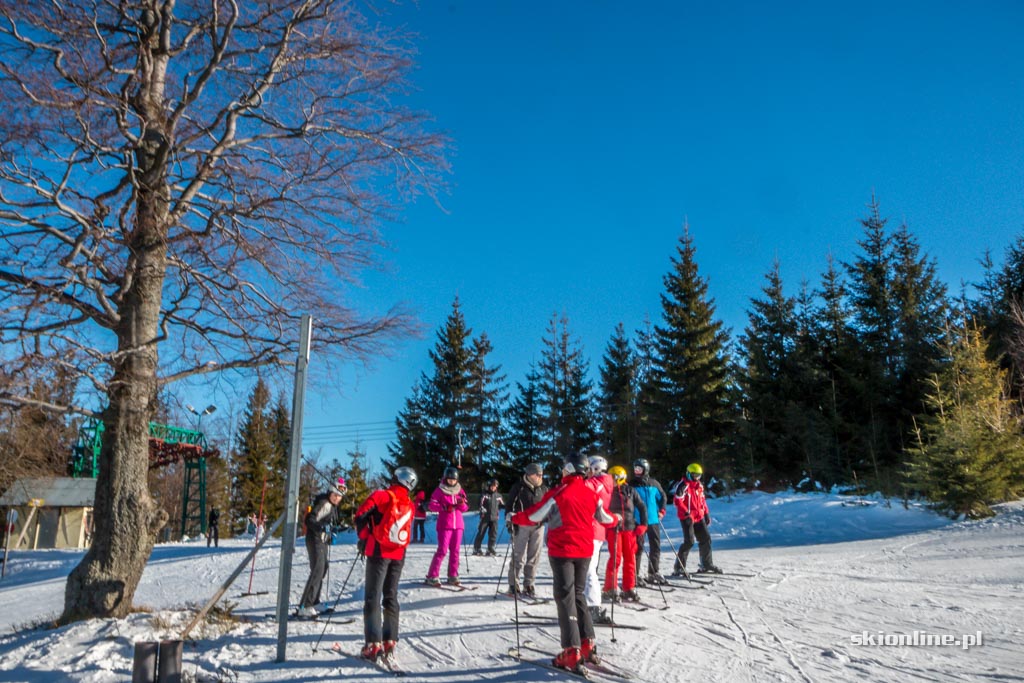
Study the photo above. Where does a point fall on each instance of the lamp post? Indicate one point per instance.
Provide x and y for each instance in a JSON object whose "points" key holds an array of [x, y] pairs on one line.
{"points": [[206, 411]]}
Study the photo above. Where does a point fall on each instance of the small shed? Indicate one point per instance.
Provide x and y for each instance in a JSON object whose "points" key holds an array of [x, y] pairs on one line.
{"points": [[63, 518]]}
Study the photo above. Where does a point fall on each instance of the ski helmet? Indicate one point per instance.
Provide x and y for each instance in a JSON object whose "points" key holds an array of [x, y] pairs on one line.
{"points": [[618, 473], [451, 473], [406, 476], [534, 468], [694, 470], [598, 464], [575, 463], [642, 464], [492, 482]]}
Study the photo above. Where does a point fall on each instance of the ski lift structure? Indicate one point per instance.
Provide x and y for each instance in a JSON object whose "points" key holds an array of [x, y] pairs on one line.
{"points": [[167, 445]]}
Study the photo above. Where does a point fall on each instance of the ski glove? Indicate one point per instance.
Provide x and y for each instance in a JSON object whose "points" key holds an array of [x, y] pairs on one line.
{"points": [[640, 530], [661, 513], [707, 520]]}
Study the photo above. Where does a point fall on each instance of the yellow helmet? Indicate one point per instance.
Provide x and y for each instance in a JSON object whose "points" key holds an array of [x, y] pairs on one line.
{"points": [[618, 473]]}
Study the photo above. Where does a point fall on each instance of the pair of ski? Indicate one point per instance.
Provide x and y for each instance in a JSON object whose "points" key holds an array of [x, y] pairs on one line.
{"points": [[541, 619], [525, 599], [451, 587], [295, 616], [382, 663], [594, 672]]}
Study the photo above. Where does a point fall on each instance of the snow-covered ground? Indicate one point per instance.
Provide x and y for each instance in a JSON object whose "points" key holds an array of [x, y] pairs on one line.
{"points": [[833, 580]]}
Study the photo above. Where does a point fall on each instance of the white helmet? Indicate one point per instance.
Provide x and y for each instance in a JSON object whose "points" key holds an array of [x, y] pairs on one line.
{"points": [[598, 465]]}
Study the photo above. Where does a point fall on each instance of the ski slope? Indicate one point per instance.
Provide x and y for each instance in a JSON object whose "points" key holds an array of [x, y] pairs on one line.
{"points": [[834, 578]]}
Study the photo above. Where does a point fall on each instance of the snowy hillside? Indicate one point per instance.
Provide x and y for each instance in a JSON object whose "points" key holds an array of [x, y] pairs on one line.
{"points": [[833, 581]]}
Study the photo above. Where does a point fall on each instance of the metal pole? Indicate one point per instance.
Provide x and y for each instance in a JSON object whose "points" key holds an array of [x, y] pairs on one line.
{"points": [[291, 506]]}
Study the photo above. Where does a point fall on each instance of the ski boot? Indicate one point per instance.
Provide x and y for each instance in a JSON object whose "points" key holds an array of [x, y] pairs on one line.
{"points": [[530, 591], [656, 579], [491, 552], [710, 569], [570, 659], [630, 596], [610, 596], [588, 652], [477, 552], [432, 581], [454, 581], [599, 615], [680, 573], [388, 653], [372, 651]]}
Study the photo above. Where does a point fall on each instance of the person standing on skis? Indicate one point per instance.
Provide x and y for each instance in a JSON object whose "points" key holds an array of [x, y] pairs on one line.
{"points": [[692, 509], [628, 504], [384, 526], [602, 484], [449, 502], [570, 510], [491, 504], [655, 501], [321, 516], [526, 540]]}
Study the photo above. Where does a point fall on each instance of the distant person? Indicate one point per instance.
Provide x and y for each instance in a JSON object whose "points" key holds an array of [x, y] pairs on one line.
{"points": [[526, 540], [419, 517], [384, 522], [491, 504], [655, 501], [449, 502], [692, 509], [213, 528], [321, 516], [627, 504], [575, 506]]}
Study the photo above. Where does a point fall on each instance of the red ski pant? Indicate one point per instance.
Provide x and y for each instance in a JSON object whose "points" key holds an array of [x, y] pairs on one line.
{"points": [[621, 553]]}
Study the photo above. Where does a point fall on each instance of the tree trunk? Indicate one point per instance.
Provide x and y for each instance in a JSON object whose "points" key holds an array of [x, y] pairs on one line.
{"points": [[127, 517]]}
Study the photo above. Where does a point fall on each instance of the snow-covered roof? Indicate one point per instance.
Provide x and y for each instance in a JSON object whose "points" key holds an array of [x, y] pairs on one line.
{"points": [[55, 491]]}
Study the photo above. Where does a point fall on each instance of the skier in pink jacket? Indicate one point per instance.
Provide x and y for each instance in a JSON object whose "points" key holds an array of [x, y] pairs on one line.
{"points": [[449, 502]]}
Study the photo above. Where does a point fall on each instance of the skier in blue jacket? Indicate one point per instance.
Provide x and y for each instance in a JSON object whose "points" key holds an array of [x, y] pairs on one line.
{"points": [[655, 500]]}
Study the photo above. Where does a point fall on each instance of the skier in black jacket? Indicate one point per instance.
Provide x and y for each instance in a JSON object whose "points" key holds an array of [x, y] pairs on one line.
{"points": [[322, 514], [491, 504]]}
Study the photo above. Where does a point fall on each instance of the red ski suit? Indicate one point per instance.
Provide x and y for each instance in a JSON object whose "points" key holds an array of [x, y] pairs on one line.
{"points": [[689, 500]]}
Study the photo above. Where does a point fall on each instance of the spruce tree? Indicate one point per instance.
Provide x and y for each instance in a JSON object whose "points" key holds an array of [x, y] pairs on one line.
{"points": [[356, 481], [525, 441], [255, 455], [617, 400], [768, 347], [691, 372], [969, 451], [566, 403], [453, 414]]}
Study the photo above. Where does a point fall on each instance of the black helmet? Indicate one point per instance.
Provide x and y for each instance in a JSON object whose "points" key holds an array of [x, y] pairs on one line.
{"points": [[641, 463], [451, 473], [406, 476], [575, 463], [492, 482]]}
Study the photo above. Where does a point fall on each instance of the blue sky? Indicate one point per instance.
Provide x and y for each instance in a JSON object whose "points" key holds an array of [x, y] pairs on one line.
{"points": [[588, 132]]}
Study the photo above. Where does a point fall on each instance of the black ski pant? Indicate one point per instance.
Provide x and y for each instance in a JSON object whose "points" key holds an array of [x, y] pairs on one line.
{"points": [[700, 530], [382, 578], [316, 547], [490, 527], [570, 579], [419, 530], [654, 536]]}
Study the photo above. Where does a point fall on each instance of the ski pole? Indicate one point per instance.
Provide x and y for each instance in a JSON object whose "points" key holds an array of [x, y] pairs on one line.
{"points": [[359, 556], [686, 574], [657, 583], [501, 573]]}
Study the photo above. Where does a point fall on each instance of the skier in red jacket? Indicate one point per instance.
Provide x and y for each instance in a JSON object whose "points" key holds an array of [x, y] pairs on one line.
{"points": [[570, 510], [692, 508], [384, 523]]}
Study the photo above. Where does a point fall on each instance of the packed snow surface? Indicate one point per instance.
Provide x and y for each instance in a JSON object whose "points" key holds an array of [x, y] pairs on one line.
{"points": [[843, 589]]}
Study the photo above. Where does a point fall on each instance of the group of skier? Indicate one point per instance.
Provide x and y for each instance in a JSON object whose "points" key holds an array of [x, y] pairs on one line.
{"points": [[591, 505]]}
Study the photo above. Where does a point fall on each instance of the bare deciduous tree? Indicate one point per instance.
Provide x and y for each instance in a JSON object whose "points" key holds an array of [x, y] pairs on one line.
{"points": [[190, 176]]}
